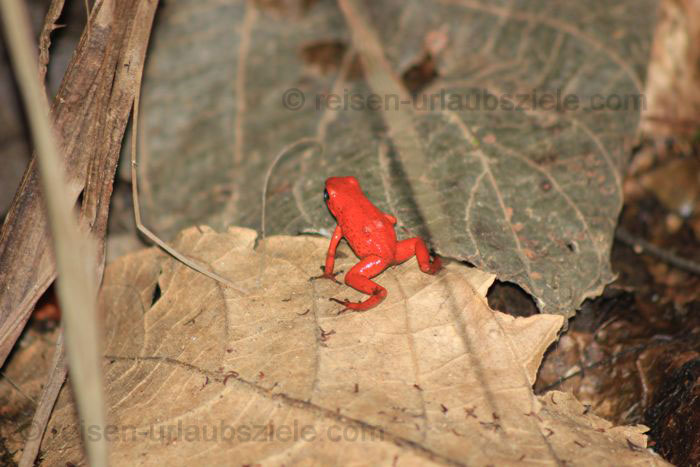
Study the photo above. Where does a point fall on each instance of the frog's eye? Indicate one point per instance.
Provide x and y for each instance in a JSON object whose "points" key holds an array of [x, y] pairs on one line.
{"points": [[325, 195]]}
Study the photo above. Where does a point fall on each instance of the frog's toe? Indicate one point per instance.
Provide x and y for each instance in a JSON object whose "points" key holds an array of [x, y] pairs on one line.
{"points": [[435, 266], [377, 296], [326, 276], [345, 304]]}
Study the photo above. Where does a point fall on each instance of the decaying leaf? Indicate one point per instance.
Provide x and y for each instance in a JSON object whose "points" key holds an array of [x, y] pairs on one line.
{"points": [[522, 112], [673, 96], [271, 374]]}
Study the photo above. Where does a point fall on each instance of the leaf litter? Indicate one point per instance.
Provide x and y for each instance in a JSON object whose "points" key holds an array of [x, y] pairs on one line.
{"points": [[273, 375], [527, 192]]}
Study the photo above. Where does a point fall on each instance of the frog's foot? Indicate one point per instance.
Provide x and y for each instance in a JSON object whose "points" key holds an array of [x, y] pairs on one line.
{"points": [[345, 303], [415, 246], [330, 276], [378, 295], [359, 278], [434, 267]]}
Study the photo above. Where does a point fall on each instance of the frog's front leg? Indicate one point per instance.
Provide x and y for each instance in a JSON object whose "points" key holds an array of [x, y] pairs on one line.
{"points": [[415, 246], [359, 278], [330, 257]]}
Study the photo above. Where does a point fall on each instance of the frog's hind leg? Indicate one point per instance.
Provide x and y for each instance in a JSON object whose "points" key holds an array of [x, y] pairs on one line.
{"points": [[359, 278], [415, 246]]}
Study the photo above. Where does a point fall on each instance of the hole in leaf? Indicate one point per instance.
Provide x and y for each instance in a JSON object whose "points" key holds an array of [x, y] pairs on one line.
{"points": [[79, 201], [156, 294], [511, 299]]}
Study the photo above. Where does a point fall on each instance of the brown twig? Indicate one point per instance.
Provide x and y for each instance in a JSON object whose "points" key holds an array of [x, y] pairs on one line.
{"points": [[583, 369], [657, 340], [285, 150], [45, 405], [73, 250], [52, 15], [59, 370], [189, 262], [90, 115], [639, 245]]}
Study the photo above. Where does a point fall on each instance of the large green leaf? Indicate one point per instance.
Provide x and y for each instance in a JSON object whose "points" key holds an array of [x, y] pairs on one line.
{"points": [[531, 194]]}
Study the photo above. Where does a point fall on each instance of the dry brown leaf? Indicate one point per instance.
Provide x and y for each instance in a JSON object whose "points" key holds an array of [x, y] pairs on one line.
{"points": [[672, 93], [275, 376]]}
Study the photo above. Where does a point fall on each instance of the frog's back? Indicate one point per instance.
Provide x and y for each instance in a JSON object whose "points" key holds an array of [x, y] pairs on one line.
{"points": [[368, 231], [366, 228]]}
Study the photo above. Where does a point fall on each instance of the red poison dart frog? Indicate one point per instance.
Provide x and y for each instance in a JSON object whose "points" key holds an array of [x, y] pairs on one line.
{"points": [[371, 236]]}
